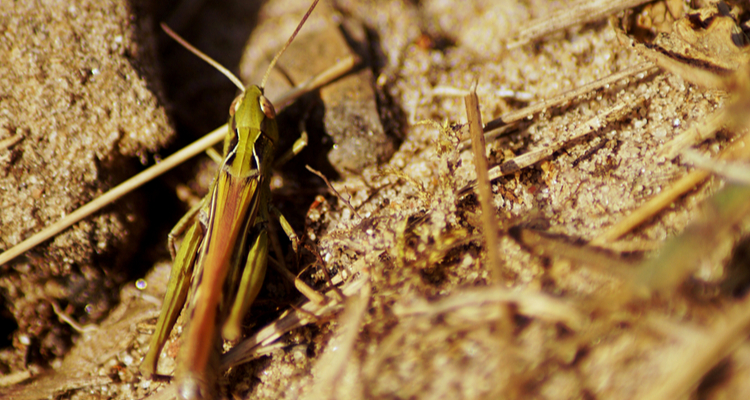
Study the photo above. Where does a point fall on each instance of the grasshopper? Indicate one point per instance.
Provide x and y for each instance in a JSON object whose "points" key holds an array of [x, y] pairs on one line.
{"points": [[221, 263]]}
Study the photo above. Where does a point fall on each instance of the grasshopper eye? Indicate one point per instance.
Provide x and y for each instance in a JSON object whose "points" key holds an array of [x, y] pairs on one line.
{"points": [[267, 107], [235, 105]]}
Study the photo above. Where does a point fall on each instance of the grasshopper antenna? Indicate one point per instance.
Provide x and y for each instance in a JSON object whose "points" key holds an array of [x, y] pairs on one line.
{"points": [[206, 58], [288, 42]]}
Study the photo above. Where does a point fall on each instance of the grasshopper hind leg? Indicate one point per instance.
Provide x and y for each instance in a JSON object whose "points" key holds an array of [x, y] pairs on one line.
{"points": [[174, 299], [250, 283]]}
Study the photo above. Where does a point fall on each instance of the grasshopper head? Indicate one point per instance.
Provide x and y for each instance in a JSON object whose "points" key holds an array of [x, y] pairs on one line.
{"points": [[253, 133], [252, 109]]}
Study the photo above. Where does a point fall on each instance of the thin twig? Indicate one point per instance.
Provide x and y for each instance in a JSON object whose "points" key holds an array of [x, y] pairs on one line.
{"points": [[7, 143], [115, 193], [197, 147], [336, 71], [331, 364], [528, 302], [69, 320], [335, 192]]}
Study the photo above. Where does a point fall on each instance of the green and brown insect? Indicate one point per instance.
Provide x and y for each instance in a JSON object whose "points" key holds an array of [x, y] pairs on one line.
{"points": [[220, 266]]}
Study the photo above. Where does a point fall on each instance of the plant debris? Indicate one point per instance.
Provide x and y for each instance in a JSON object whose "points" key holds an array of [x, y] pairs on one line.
{"points": [[597, 100]]}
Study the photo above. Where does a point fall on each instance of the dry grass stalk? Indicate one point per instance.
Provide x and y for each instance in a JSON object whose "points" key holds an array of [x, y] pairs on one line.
{"points": [[731, 172], [513, 116], [740, 149], [576, 13], [489, 221], [558, 339], [532, 157], [308, 312], [197, 147], [529, 303], [9, 142], [698, 132], [592, 125], [703, 352], [330, 366], [115, 193]]}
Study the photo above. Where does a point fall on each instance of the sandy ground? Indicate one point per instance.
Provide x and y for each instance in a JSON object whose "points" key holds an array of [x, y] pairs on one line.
{"points": [[565, 311]]}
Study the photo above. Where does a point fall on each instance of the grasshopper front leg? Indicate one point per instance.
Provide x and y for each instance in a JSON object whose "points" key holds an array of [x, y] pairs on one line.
{"points": [[286, 226], [182, 224]]}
